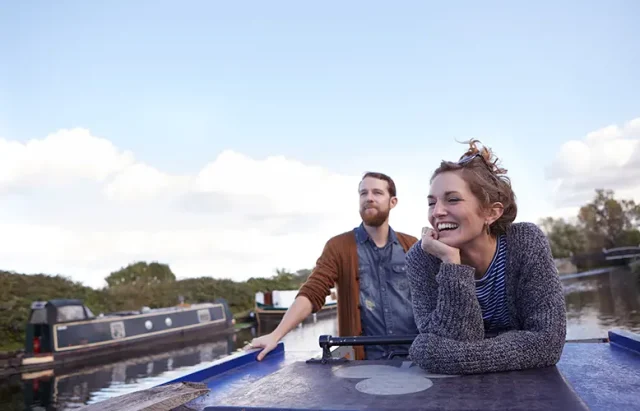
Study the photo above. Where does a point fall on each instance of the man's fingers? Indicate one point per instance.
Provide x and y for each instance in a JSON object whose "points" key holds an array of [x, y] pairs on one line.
{"points": [[262, 354], [253, 344]]}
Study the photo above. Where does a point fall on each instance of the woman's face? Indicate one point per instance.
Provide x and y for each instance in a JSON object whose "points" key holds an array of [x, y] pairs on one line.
{"points": [[454, 212]]}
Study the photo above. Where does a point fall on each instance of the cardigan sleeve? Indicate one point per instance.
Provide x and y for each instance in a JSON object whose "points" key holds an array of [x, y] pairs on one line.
{"points": [[322, 278], [541, 315], [443, 297]]}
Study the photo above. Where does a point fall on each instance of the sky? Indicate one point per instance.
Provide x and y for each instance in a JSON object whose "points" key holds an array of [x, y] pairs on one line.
{"points": [[228, 140]]}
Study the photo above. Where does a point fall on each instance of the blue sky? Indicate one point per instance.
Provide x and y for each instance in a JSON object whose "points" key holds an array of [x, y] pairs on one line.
{"points": [[347, 86], [157, 77]]}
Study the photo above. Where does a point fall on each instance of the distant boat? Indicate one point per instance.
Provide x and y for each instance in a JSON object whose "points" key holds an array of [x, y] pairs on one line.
{"points": [[66, 332], [271, 306]]}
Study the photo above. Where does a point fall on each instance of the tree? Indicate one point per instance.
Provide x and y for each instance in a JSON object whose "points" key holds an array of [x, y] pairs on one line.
{"points": [[141, 274], [284, 276], [565, 239], [303, 274], [603, 223], [608, 222]]}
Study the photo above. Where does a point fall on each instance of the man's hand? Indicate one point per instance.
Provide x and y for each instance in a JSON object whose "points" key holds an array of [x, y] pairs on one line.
{"points": [[267, 342], [299, 310]]}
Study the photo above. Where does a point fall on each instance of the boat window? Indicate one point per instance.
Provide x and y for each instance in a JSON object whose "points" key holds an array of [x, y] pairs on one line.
{"points": [[89, 313], [38, 316], [70, 313]]}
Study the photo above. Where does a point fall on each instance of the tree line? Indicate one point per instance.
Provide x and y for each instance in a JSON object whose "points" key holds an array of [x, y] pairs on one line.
{"points": [[132, 287], [605, 222]]}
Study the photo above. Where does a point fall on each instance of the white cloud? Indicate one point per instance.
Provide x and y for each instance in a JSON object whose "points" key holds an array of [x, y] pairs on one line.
{"points": [[81, 207], [75, 204], [607, 158], [142, 182], [59, 159]]}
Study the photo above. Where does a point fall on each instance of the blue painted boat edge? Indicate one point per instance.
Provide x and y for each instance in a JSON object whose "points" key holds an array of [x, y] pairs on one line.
{"points": [[625, 339], [225, 364]]}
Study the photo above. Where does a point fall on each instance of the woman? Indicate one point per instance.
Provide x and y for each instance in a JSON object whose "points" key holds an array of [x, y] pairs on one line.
{"points": [[486, 293]]}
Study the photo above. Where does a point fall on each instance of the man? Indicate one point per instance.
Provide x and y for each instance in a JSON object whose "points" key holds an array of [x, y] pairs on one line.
{"points": [[368, 266]]}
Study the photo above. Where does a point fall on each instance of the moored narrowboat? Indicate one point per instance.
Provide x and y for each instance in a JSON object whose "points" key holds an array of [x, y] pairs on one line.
{"points": [[66, 332]]}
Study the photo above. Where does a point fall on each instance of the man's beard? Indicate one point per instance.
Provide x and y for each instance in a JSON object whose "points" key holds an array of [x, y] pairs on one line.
{"points": [[375, 220]]}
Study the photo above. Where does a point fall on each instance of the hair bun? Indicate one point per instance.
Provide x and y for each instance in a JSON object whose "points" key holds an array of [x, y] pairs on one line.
{"points": [[485, 152]]}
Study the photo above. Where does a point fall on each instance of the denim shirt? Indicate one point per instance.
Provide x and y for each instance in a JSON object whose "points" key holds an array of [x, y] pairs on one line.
{"points": [[385, 296]]}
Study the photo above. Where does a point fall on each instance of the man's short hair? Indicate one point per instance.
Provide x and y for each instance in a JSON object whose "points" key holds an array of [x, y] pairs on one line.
{"points": [[384, 177]]}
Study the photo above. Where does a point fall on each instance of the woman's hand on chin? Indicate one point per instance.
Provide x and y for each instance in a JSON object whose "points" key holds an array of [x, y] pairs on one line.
{"points": [[437, 248]]}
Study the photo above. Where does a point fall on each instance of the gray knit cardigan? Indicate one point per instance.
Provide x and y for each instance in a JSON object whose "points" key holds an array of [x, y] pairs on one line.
{"points": [[452, 338]]}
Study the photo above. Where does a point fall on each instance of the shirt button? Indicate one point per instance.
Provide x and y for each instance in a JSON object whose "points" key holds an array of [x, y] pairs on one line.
{"points": [[384, 288], [390, 332], [386, 310]]}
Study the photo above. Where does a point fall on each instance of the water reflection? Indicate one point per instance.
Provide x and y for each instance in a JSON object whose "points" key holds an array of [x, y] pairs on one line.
{"points": [[62, 390], [597, 303]]}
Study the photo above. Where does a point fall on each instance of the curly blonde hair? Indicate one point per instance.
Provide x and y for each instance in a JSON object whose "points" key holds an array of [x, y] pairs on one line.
{"points": [[486, 180]]}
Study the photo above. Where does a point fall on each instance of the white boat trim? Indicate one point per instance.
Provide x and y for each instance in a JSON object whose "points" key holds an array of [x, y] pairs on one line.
{"points": [[37, 360]]}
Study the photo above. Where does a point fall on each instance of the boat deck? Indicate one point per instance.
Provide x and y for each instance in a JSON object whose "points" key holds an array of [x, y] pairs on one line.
{"points": [[394, 385], [589, 376], [605, 377]]}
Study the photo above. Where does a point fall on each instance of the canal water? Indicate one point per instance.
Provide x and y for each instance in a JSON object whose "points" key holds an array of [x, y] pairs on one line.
{"points": [[595, 303]]}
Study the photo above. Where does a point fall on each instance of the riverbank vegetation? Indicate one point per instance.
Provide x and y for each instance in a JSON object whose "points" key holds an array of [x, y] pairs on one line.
{"points": [[140, 284], [603, 223]]}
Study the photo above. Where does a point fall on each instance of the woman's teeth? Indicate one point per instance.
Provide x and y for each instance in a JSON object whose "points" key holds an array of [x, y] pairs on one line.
{"points": [[447, 226]]}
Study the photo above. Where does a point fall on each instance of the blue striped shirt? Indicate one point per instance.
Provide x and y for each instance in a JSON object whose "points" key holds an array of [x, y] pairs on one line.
{"points": [[490, 290]]}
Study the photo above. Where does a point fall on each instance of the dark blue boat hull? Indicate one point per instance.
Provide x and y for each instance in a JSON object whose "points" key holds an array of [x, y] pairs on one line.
{"points": [[596, 375], [111, 331], [394, 385]]}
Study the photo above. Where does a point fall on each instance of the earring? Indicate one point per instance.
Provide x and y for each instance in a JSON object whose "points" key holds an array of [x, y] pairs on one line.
{"points": [[486, 223]]}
